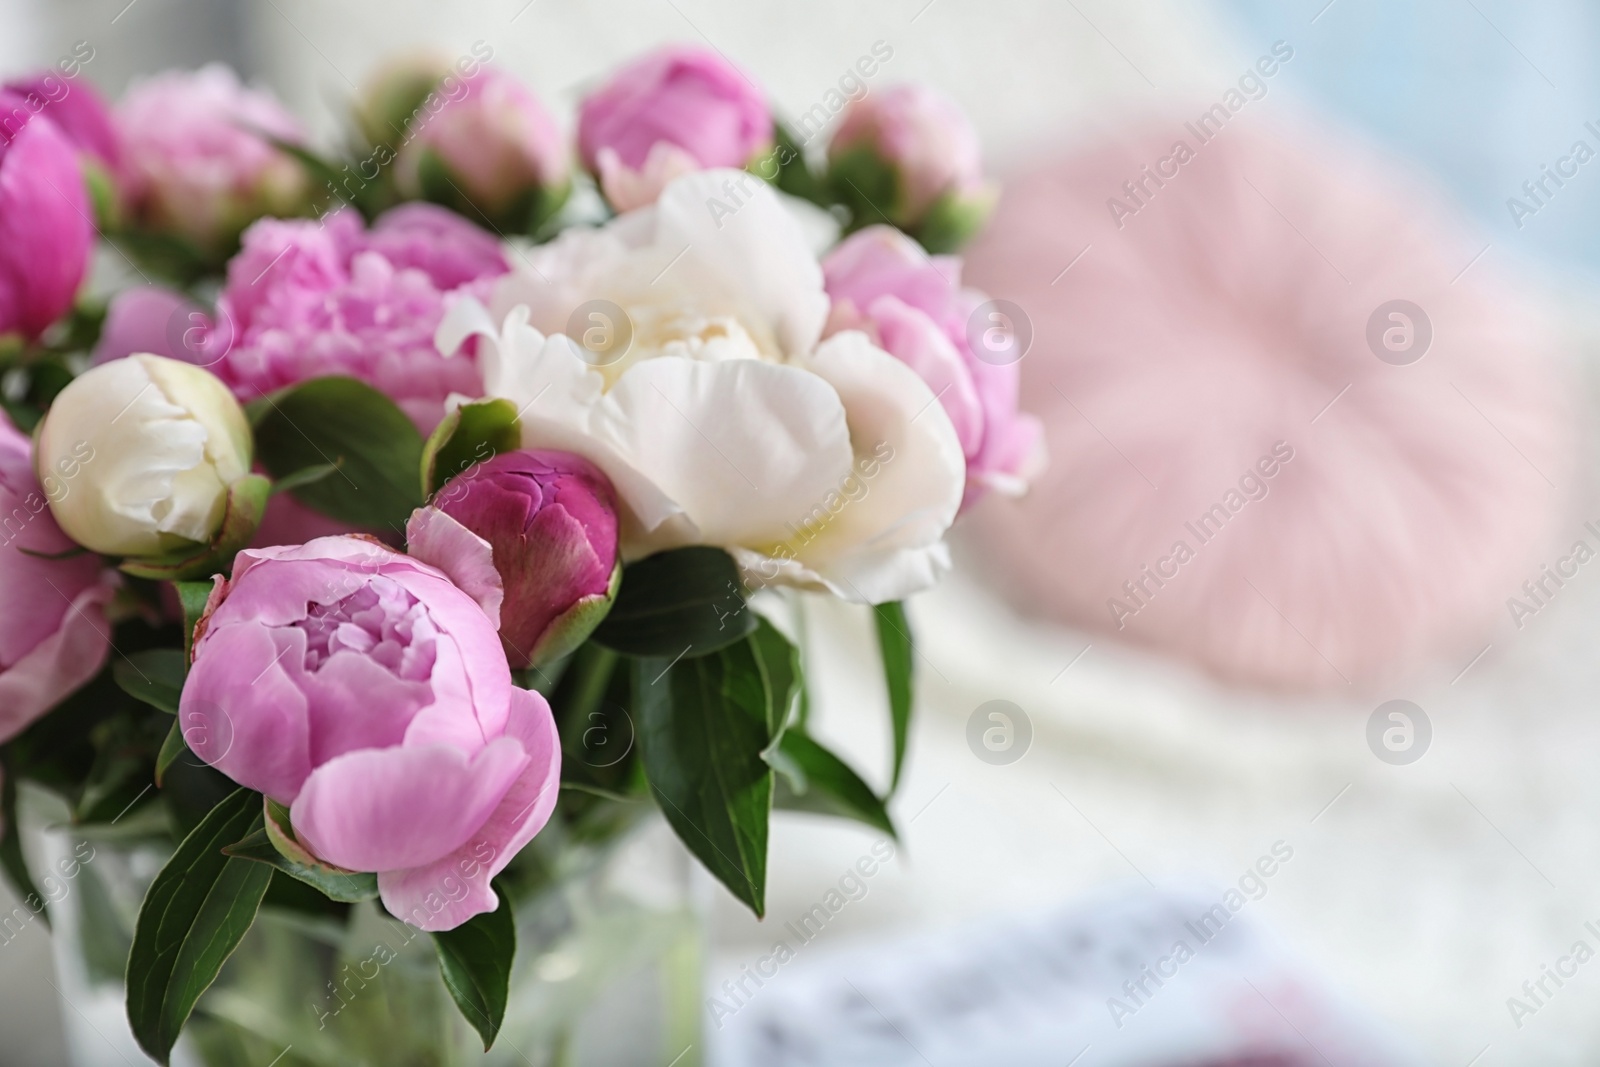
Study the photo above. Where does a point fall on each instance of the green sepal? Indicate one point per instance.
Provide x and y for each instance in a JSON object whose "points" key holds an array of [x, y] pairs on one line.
{"points": [[470, 434], [246, 503], [275, 844], [572, 627]]}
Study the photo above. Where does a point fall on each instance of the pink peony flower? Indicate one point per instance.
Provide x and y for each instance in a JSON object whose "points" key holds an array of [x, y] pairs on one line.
{"points": [[53, 632], [912, 306], [551, 520], [45, 227], [930, 151], [198, 160], [363, 690], [306, 299], [494, 153], [671, 111]]}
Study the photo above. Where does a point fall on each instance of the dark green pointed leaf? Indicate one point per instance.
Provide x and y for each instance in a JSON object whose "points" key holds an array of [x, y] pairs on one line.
{"points": [[194, 916], [684, 602], [703, 725], [346, 422], [470, 434], [894, 641], [475, 960], [173, 747], [779, 662], [813, 779], [154, 676]]}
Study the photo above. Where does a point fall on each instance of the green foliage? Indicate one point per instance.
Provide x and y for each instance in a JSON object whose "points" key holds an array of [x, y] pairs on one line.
{"points": [[345, 422]]}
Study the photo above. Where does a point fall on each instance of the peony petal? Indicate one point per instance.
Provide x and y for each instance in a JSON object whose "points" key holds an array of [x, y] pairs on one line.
{"points": [[440, 541], [354, 702], [756, 253], [746, 448], [254, 730], [888, 542], [66, 658], [390, 808], [444, 894]]}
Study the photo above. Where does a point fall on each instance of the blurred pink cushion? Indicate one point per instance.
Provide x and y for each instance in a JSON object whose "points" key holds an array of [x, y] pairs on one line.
{"points": [[1223, 316]]}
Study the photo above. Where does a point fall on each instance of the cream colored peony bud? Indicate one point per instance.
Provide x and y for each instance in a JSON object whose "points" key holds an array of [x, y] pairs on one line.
{"points": [[166, 439]]}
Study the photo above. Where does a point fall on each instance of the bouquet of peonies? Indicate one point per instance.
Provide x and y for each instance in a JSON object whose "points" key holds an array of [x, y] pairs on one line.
{"points": [[431, 501]]}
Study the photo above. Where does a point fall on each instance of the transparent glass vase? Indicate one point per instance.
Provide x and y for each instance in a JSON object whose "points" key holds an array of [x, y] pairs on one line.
{"points": [[607, 972]]}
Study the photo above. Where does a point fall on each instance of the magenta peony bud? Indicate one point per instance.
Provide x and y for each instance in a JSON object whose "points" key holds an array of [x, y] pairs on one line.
{"points": [[492, 152], [45, 227], [912, 306], [369, 694], [199, 157], [550, 519], [53, 631], [908, 153], [80, 112], [678, 109]]}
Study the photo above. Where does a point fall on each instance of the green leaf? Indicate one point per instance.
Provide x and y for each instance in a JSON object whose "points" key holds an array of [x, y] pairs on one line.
{"points": [[470, 434], [894, 641], [193, 597], [194, 916], [350, 424], [703, 725], [173, 747], [154, 676], [779, 662], [813, 779], [683, 602], [12, 860], [475, 960], [304, 476]]}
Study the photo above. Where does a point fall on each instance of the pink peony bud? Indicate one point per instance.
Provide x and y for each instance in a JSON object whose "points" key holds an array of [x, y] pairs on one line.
{"points": [[45, 227], [53, 631], [913, 307], [671, 111], [908, 153], [200, 160], [369, 694], [492, 153], [550, 519]]}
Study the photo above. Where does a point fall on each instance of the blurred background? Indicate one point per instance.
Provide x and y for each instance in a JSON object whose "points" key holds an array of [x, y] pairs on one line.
{"points": [[1428, 871]]}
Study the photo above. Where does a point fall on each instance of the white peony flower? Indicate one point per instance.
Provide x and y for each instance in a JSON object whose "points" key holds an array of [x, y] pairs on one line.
{"points": [[725, 422], [167, 440]]}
